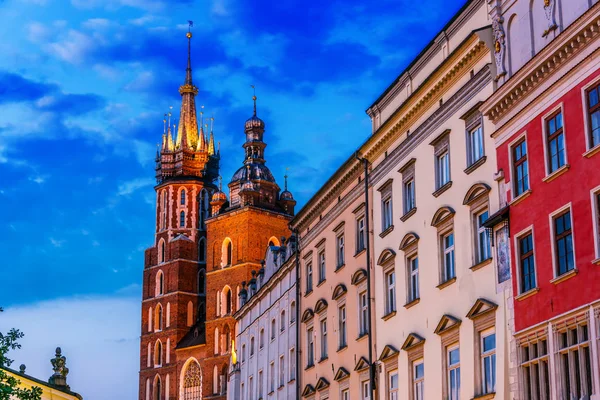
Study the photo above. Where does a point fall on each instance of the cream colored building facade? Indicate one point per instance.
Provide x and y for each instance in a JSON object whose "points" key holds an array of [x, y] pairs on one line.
{"points": [[49, 392], [443, 302]]}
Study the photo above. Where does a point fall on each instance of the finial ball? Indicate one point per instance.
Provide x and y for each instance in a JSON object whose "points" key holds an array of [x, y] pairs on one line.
{"points": [[254, 98], [189, 35]]}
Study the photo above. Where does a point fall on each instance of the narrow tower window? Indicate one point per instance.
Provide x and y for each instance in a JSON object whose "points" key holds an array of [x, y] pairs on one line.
{"points": [[183, 197], [182, 219]]}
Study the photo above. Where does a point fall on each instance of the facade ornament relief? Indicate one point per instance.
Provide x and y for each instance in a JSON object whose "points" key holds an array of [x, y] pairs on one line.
{"points": [[499, 45], [549, 6], [59, 366]]}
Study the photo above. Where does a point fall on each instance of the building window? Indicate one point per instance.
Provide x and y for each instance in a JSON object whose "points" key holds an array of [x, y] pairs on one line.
{"points": [[261, 338], [341, 259], [260, 385], [360, 234], [281, 371], [535, 370], [272, 377], [413, 278], [309, 277], [390, 292], [488, 361], [366, 390], [273, 328], [386, 213], [243, 353], [563, 243], [520, 168], [475, 144], [158, 318], [310, 354], [323, 339], [292, 312], [202, 250], [442, 169], [251, 388], [343, 328], [158, 356], [363, 315], [346, 394], [409, 195], [282, 321], [162, 252], [556, 142], [593, 96], [393, 385], [575, 362], [484, 250], [160, 283], [448, 256], [201, 282], [526, 263], [182, 219], [251, 346], [292, 364], [228, 259], [183, 197], [453, 357], [596, 213], [418, 380], [322, 267], [157, 388]]}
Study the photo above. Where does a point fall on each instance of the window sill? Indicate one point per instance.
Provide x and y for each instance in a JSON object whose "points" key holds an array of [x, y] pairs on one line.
{"points": [[388, 315], [481, 264], [271, 392], [309, 367], [321, 282], [565, 276], [280, 387], [358, 253], [557, 173], [591, 152], [596, 261], [446, 284], [527, 294], [362, 336], [387, 231], [412, 303], [340, 349], [475, 165], [486, 396], [442, 189], [308, 293], [339, 267], [520, 198], [408, 214], [292, 380], [323, 359]]}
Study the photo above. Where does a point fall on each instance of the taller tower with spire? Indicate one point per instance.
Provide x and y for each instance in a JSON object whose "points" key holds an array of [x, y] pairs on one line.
{"points": [[174, 278]]}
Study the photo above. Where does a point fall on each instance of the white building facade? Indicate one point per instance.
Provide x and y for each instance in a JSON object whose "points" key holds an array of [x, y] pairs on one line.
{"points": [[265, 338]]}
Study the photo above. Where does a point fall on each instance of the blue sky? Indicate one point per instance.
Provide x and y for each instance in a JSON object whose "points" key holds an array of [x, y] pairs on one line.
{"points": [[83, 88]]}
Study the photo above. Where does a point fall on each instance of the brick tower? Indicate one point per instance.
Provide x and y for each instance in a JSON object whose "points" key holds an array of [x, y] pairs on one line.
{"points": [[238, 233], [174, 303]]}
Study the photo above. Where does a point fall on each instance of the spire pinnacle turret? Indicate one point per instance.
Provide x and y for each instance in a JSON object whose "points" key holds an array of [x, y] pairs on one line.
{"points": [[188, 71]]}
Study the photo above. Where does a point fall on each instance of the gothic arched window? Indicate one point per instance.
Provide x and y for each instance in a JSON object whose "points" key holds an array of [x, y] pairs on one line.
{"points": [[158, 318], [161, 249], [229, 302], [182, 219], [158, 357], [160, 283], [201, 282], [228, 253], [183, 197], [192, 382], [157, 388]]}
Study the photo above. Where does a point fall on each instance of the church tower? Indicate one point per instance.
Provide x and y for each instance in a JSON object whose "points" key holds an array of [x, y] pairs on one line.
{"points": [[256, 214], [174, 278]]}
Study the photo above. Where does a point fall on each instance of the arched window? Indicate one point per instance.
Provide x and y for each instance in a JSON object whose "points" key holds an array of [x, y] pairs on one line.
{"points": [[164, 209], [261, 338], [190, 313], [150, 326], [147, 389], [160, 283], [226, 252], [282, 321], [183, 197], [243, 353], [251, 346], [168, 315], [229, 302], [215, 380], [201, 282], [168, 350], [158, 354], [157, 388], [273, 328], [161, 251], [192, 381], [222, 380], [202, 250], [182, 219], [217, 338], [273, 241], [218, 308], [158, 318], [293, 312], [149, 359]]}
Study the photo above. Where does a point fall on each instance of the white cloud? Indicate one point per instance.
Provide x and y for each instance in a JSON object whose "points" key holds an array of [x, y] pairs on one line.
{"points": [[57, 242], [98, 336], [128, 187], [37, 32], [73, 48], [142, 81], [96, 23]]}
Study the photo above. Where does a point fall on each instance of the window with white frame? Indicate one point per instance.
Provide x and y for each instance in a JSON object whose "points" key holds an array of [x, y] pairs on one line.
{"points": [[442, 168], [272, 377], [555, 142], [453, 372], [273, 328], [282, 321], [281, 370], [596, 207], [392, 385], [323, 326], [243, 357], [360, 234], [343, 330], [475, 144], [292, 364], [340, 245], [260, 384], [251, 346], [310, 342], [292, 312], [386, 205], [563, 243], [484, 249], [418, 380], [526, 263], [251, 388], [412, 264], [390, 291], [520, 167], [261, 338], [535, 369], [409, 195], [365, 390], [488, 361], [322, 266], [346, 394], [363, 315], [575, 360], [449, 270], [593, 115], [309, 277]]}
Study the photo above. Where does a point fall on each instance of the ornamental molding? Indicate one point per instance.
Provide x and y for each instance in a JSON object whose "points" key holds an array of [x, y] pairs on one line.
{"points": [[544, 65]]}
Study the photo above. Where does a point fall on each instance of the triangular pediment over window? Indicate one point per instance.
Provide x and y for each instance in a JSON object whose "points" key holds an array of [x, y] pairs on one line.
{"points": [[322, 383], [308, 390], [411, 341], [339, 291], [320, 306], [447, 322], [481, 307], [362, 364], [358, 276], [341, 374], [307, 315], [388, 352]]}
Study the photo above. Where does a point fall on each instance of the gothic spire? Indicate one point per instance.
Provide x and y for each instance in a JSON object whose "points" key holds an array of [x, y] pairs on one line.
{"points": [[211, 141], [187, 132]]}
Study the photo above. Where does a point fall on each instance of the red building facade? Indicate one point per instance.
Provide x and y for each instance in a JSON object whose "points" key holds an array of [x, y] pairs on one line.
{"points": [[547, 118]]}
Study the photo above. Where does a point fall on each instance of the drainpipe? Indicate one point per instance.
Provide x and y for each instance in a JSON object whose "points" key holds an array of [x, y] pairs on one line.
{"points": [[297, 234], [372, 366]]}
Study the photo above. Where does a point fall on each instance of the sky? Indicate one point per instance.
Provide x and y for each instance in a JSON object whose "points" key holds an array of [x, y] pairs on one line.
{"points": [[84, 85]]}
